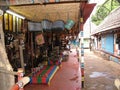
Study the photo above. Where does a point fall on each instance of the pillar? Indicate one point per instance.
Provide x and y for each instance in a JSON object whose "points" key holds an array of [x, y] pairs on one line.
{"points": [[82, 51]]}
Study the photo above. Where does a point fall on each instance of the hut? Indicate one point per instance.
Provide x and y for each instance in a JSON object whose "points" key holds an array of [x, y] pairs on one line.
{"points": [[107, 36]]}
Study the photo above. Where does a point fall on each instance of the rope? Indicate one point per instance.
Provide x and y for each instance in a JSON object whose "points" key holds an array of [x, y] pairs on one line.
{"points": [[8, 72]]}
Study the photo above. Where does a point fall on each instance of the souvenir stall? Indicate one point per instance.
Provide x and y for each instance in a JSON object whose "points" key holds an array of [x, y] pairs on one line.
{"points": [[45, 46], [47, 42], [37, 47], [14, 38]]}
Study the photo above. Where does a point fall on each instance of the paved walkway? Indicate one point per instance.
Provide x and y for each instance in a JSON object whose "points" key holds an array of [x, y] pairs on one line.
{"points": [[100, 73]]}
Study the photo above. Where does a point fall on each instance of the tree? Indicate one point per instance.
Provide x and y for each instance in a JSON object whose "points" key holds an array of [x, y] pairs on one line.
{"points": [[103, 10]]}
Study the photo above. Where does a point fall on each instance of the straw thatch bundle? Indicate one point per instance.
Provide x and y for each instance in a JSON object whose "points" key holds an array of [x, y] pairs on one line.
{"points": [[63, 11]]}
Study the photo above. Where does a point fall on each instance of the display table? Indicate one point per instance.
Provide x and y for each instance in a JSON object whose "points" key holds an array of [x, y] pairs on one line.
{"points": [[45, 75]]}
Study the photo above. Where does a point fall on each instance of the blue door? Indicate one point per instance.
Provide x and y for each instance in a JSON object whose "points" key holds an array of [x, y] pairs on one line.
{"points": [[109, 44]]}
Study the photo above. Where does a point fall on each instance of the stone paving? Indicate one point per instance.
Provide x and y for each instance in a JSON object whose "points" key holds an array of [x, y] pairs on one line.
{"points": [[99, 72]]}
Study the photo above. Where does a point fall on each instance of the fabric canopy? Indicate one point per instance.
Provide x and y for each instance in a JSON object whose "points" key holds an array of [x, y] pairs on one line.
{"points": [[86, 10]]}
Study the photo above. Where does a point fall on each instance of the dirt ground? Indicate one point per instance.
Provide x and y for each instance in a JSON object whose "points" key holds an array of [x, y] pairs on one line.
{"points": [[100, 73]]}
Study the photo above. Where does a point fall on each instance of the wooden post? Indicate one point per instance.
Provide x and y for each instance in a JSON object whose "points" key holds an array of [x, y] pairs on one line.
{"points": [[21, 71], [21, 58], [32, 48]]}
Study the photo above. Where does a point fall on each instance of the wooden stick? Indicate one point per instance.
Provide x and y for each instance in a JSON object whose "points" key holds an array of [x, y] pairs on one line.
{"points": [[32, 51]]}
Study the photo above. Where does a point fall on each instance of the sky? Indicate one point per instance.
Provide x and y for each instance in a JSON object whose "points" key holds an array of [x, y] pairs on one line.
{"points": [[96, 1]]}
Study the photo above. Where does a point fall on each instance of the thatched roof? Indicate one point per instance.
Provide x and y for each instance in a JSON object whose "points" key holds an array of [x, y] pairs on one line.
{"points": [[63, 9], [50, 11], [36, 10]]}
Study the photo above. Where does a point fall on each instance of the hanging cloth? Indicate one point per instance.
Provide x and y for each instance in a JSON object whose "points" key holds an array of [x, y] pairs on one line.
{"points": [[58, 25], [34, 26], [39, 39], [46, 23], [69, 24]]}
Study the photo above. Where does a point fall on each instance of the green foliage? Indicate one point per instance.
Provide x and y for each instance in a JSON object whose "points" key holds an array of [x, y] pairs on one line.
{"points": [[115, 4], [103, 11], [95, 20]]}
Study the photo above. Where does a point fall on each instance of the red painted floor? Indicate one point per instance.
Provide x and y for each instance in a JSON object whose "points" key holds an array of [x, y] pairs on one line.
{"points": [[66, 78]]}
